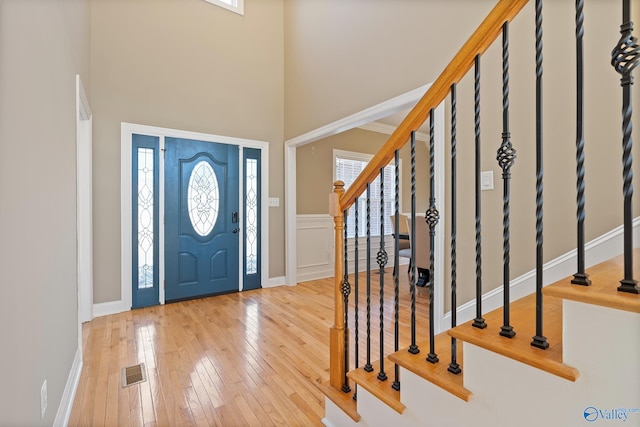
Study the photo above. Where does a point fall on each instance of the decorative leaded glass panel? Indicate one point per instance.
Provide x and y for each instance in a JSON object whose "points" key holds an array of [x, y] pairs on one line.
{"points": [[203, 198], [145, 218], [251, 232]]}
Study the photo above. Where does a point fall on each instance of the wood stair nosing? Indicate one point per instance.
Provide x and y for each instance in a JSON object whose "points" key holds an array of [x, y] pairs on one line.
{"points": [[436, 373], [519, 348], [344, 401], [380, 389], [603, 291]]}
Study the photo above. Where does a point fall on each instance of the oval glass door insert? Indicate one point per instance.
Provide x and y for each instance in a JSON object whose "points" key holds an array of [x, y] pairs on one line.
{"points": [[203, 198]]}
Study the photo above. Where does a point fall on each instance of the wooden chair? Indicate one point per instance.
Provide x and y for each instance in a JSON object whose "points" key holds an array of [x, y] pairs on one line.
{"points": [[423, 251], [405, 245]]}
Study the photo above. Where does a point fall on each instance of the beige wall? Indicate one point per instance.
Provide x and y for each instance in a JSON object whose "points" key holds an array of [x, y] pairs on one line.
{"points": [[315, 169], [185, 65], [43, 45], [376, 50], [344, 56], [602, 135]]}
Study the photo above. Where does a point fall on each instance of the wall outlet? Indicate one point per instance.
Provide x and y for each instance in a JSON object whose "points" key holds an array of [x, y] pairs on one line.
{"points": [[43, 399]]}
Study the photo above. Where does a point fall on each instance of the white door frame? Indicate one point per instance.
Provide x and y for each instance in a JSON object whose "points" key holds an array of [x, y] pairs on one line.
{"points": [[84, 209], [379, 111], [126, 132]]}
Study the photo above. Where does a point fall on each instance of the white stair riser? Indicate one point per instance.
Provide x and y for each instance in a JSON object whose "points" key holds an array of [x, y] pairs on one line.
{"points": [[604, 344]]}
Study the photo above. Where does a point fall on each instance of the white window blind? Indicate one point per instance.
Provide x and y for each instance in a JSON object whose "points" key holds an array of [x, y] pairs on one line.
{"points": [[348, 167]]}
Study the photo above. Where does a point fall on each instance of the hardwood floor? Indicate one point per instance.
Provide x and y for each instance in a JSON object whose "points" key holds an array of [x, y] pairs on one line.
{"points": [[254, 358]]}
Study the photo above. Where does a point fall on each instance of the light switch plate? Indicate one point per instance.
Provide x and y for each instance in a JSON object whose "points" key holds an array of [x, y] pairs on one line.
{"points": [[486, 180], [274, 202]]}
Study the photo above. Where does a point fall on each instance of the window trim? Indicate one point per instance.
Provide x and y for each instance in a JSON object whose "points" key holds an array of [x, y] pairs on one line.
{"points": [[365, 157], [239, 9]]}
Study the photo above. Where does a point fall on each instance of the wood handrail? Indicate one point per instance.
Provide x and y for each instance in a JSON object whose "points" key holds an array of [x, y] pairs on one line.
{"points": [[477, 44]]}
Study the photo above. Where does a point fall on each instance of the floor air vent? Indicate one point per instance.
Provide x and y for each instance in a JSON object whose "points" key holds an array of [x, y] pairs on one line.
{"points": [[133, 375]]}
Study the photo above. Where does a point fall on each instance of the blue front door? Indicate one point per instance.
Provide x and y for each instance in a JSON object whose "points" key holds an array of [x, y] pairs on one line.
{"points": [[201, 218]]}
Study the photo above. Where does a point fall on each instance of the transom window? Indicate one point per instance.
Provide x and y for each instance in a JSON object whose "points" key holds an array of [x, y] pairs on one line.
{"points": [[236, 6], [348, 166]]}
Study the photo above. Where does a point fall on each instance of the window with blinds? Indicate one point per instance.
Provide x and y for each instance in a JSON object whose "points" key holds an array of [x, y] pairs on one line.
{"points": [[348, 166]]}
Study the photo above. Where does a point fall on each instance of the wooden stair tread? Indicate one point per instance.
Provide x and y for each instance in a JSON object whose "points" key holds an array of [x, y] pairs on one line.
{"points": [[343, 400], [603, 291], [436, 373], [519, 347], [380, 389]]}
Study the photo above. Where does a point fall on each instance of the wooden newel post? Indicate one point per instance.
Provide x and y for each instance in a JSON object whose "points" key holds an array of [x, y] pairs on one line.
{"points": [[338, 333]]}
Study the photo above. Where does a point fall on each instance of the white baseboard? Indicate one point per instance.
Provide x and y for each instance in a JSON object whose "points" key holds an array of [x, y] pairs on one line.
{"points": [[306, 277], [69, 393], [272, 282], [323, 274], [596, 251], [326, 422], [115, 307], [107, 308]]}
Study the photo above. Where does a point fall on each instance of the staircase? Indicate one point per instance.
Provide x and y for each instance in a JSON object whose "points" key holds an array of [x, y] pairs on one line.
{"points": [[566, 355], [591, 372]]}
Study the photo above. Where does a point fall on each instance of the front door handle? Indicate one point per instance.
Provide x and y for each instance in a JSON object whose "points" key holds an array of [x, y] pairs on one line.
{"points": [[235, 230]]}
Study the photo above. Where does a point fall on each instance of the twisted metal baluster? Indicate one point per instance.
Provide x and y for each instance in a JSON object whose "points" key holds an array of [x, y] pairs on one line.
{"points": [[432, 216], [478, 322], [539, 340], [413, 348], [625, 57], [382, 259], [357, 292], [346, 290], [396, 269], [368, 367], [506, 156], [454, 367], [580, 277]]}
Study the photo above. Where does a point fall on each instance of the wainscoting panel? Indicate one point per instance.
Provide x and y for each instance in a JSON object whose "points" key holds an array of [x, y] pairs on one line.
{"points": [[316, 248]]}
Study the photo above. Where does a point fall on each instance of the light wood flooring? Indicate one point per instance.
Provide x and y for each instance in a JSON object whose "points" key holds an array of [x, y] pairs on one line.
{"points": [[254, 358]]}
